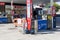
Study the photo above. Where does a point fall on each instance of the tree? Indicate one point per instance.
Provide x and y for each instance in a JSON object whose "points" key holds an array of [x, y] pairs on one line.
{"points": [[56, 6]]}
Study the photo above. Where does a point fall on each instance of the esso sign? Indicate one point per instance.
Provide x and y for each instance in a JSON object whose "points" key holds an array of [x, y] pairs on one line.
{"points": [[28, 1]]}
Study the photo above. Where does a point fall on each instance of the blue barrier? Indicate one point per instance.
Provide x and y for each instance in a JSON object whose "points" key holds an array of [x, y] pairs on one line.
{"points": [[42, 25], [3, 20]]}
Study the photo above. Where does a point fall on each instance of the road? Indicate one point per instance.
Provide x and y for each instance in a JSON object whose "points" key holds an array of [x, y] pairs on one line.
{"points": [[9, 32]]}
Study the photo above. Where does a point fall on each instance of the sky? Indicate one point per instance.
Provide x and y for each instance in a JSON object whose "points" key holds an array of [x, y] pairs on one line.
{"points": [[58, 3]]}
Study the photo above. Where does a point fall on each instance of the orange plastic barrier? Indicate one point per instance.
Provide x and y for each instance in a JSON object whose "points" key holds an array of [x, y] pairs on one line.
{"points": [[19, 22]]}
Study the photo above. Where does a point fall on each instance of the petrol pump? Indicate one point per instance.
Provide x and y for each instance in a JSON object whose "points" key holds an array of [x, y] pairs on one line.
{"points": [[54, 17], [41, 19], [51, 17]]}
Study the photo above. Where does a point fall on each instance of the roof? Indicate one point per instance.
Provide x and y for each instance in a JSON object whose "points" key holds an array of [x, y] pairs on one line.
{"points": [[24, 1]]}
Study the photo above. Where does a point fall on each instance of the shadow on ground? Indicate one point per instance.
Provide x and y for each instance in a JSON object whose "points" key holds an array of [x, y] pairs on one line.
{"points": [[49, 31]]}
